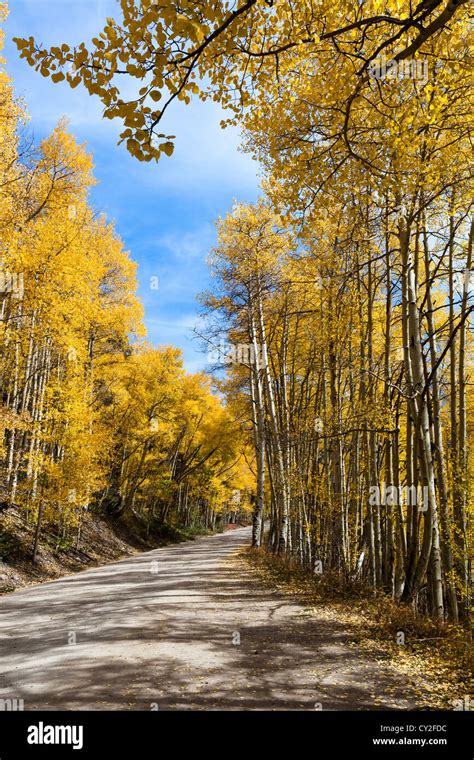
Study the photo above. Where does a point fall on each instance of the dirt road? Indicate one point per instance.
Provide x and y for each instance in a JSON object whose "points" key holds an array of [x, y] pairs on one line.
{"points": [[161, 630]]}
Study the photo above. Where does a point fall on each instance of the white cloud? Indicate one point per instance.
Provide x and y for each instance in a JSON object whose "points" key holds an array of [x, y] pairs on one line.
{"points": [[190, 245], [180, 333]]}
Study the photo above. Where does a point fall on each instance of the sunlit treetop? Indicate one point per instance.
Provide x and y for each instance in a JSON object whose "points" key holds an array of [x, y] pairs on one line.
{"points": [[171, 51]]}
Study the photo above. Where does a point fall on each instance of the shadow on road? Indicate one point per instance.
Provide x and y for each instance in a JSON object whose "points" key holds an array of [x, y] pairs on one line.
{"points": [[181, 627]]}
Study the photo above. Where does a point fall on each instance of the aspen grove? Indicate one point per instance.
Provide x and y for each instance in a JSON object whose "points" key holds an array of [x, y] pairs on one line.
{"points": [[351, 280], [92, 418]]}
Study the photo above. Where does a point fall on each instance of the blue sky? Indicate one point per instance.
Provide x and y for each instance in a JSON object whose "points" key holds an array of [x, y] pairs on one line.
{"points": [[164, 212]]}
